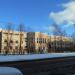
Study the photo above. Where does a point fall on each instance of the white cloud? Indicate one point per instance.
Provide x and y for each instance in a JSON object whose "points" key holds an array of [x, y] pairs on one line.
{"points": [[67, 15], [52, 28]]}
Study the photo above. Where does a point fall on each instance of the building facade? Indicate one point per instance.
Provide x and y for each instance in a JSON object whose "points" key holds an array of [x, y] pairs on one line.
{"points": [[37, 42], [12, 42], [60, 43], [15, 42]]}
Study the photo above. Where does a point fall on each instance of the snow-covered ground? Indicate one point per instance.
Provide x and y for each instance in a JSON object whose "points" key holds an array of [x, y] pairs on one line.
{"points": [[4, 58], [9, 71]]}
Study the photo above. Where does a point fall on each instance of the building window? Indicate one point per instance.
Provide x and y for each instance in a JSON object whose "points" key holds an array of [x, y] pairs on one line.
{"points": [[10, 47], [11, 41], [5, 40], [33, 39], [25, 46], [52, 43], [21, 48], [25, 39], [5, 47], [37, 40], [45, 40], [22, 42], [16, 47], [17, 41], [40, 40]]}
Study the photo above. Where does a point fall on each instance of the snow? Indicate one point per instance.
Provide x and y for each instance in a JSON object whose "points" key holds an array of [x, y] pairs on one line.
{"points": [[4, 58], [9, 71]]}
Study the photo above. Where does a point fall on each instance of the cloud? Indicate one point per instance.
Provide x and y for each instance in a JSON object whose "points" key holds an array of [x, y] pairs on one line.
{"points": [[67, 15], [51, 28]]}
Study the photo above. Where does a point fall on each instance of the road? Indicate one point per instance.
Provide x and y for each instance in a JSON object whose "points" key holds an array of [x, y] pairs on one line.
{"points": [[63, 65]]}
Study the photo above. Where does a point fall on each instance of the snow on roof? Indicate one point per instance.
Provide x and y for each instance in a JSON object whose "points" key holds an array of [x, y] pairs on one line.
{"points": [[9, 71], [33, 56]]}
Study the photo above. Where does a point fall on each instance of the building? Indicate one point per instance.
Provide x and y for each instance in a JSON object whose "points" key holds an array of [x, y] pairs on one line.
{"points": [[15, 42], [60, 43], [12, 42], [37, 42]]}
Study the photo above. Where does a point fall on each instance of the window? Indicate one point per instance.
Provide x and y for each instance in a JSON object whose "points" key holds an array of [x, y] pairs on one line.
{"points": [[16, 47], [11, 41], [33, 39], [5, 40], [5, 47], [22, 42], [25, 39], [25, 46], [21, 48], [43, 40], [10, 47], [17, 41], [37, 40], [40, 40]]}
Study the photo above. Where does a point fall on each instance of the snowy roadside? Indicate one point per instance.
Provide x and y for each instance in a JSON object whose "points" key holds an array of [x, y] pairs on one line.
{"points": [[4, 58]]}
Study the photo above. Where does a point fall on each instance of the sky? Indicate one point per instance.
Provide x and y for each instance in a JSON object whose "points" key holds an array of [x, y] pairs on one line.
{"points": [[38, 15]]}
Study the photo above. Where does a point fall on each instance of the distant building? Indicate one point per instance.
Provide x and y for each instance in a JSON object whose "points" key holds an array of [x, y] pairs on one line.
{"points": [[12, 42], [15, 42], [37, 42], [60, 43]]}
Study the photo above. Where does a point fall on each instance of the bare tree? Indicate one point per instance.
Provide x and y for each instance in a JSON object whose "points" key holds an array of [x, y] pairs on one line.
{"points": [[9, 35], [21, 29], [73, 36], [58, 31], [49, 47]]}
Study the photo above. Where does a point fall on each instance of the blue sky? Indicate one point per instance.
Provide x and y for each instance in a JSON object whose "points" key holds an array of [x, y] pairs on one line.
{"points": [[37, 15]]}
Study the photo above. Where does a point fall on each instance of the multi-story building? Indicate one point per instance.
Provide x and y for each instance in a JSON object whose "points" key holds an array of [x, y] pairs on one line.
{"points": [[15, 42], [12, 42], [37, 42], [60, 43]]}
